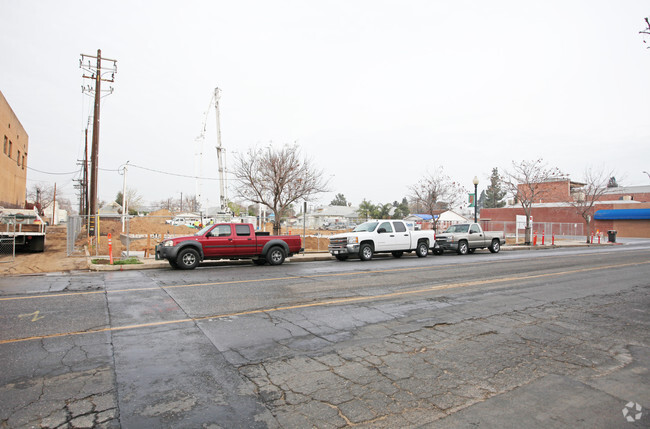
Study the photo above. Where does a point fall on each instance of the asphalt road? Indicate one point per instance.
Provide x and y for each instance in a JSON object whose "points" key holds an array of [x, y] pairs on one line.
{"points": [[550, 338]]}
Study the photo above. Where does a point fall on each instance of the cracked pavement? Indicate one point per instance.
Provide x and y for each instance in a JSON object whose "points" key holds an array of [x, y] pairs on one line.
{"points": [[410, 372], [394, 343]]}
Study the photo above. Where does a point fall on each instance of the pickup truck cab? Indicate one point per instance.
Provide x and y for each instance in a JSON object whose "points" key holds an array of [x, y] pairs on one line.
{"points": [[465, 238], [228, 241], [381, 236]]}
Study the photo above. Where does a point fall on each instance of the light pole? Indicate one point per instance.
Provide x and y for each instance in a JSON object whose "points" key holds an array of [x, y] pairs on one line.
{"points": [[475, 181]]}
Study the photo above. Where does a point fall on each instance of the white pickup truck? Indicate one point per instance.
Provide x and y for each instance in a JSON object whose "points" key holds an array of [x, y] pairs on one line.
{"points": [[381, 236]]}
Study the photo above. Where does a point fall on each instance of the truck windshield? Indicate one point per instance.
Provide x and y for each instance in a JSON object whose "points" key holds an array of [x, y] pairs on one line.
{"points": [[458, 228], [367, 226]]}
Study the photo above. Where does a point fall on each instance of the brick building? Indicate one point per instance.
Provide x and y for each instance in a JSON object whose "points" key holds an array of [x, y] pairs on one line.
{"points": [[553, 207], [13, 160]]}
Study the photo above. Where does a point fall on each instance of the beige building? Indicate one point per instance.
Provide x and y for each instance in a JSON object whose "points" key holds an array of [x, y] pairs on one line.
{"points": [[13, 159]]}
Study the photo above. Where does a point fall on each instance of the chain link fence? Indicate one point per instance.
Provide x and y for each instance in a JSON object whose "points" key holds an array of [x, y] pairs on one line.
{"points": [[129, 235], [7, 249], [139, 235], [567, 231], [75, 242], [7, 239]]}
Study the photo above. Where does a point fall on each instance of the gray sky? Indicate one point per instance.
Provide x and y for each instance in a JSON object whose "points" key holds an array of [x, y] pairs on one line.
{"points": [[375, 92]]}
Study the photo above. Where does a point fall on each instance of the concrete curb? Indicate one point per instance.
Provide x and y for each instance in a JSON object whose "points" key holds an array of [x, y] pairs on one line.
{"points": [[150, 264]]}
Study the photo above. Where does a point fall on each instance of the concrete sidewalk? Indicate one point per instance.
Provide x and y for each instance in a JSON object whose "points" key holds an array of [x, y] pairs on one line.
{"points": [[151, 263]]}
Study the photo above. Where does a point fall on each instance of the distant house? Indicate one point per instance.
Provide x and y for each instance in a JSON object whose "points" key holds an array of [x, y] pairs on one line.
{"points": [[55, 214], [446, 218], [324, 217]]}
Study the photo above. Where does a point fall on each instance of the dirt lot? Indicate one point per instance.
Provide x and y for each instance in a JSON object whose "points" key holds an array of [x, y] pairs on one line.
{"points": [[55, 258]]}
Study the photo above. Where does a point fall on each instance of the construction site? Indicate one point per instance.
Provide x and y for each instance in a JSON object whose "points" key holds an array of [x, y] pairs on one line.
{"points": [[144, 233]]}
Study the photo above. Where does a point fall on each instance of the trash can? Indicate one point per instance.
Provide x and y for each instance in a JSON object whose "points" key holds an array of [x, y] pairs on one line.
{"points": [[611, 236]]}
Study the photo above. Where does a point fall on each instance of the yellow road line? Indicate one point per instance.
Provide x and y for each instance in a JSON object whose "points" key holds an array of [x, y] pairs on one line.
{"points": [[326, 303], [232, 282]]}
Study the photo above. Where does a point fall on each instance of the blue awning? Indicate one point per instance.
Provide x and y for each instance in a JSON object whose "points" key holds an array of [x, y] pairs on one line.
{"points": [[623, 214], [423, 216]]}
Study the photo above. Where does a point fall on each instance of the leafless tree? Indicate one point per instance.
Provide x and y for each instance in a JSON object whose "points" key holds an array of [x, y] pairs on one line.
{"points": [[277, 178], [42, 195], [436, 191], [646, 31], [191, 203], [523, 182], [584, 200], [133, 200]]}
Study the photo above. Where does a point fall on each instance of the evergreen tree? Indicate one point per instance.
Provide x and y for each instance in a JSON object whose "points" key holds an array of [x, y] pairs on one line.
{"points": [[401, 209], [339, 200], [495, 194]]}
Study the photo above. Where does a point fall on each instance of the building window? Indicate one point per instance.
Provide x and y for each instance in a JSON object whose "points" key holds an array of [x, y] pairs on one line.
{"points": [[18, 159], [6, 146], [23, 163], [9, 153]]}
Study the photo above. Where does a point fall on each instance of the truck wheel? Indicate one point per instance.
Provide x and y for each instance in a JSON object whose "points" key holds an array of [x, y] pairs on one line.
{"points": [[423, 249], [365, 252], [463, 249], [342, 257], [259, 261], [397, 254], [275, 256], [496, 246], [187, 259]]}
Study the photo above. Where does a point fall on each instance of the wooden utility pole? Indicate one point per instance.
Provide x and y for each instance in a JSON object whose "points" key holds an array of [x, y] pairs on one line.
{"points": [[96, 75], [94, 155], [54, 205], [85, 184]]}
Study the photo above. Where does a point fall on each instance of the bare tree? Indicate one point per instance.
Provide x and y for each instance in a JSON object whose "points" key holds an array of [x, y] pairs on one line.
{"points": [[646, 31], [525, 182], [42, 194], [133, 200], [436, 191], [277, 178], [192, 203], [595, 185]]}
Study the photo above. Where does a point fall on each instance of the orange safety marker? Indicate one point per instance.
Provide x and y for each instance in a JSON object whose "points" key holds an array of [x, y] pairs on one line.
{"points": [[110, 249], [535, 239], [543, 234], [553, 239]]}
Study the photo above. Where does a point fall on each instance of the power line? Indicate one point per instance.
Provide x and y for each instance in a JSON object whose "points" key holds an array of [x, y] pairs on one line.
{"points": [[173, 174], [56, 174]]}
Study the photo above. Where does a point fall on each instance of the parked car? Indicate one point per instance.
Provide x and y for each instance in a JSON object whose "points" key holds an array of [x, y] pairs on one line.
{"points": [[381, 236], [228, 241], [465, 238]]}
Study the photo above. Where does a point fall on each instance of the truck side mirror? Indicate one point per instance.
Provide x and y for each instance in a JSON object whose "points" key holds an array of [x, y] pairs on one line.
{"points": [[381, 230]]}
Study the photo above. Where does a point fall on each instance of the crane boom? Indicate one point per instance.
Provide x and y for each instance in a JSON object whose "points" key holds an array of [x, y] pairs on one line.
{"points": [[220, 155]]}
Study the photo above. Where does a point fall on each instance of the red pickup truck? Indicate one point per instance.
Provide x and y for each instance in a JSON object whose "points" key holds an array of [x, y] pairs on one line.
{"points": [[228, 241]]}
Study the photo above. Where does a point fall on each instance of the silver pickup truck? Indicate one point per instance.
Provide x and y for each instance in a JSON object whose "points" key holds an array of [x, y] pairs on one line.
{"points": [[465, 238]]}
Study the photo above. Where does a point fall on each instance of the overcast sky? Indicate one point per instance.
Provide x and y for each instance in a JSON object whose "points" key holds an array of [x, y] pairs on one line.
{"points": [[376, 93]]}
